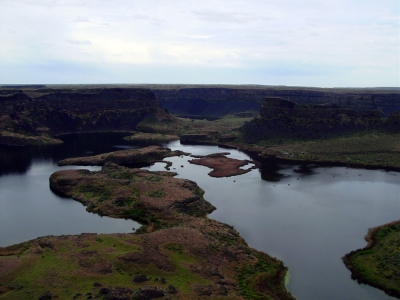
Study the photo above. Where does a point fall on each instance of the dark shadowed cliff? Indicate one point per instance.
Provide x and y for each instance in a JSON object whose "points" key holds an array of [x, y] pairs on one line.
{"points": [[280, 117], [45, 112], [218, 101]]}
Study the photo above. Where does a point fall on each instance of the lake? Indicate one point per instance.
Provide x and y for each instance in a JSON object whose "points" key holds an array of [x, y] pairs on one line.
{"points": [[307, 219], [28, 209]]}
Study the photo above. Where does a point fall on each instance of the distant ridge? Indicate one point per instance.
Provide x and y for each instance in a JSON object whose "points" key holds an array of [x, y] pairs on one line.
{"points": [[24, 86]]}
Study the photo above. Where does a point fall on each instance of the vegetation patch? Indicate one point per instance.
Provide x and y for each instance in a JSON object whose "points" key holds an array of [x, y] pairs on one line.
{"points": [[16, 249], [94, 191], [155, 137], [262, 280], [373, 149], [379, 263], [157, 193], [138, 214]]}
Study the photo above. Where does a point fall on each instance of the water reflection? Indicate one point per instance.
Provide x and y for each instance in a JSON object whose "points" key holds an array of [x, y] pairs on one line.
{"points": [[18, 160]]}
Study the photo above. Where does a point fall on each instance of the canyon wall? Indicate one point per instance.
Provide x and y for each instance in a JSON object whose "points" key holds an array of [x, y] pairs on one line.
{"points": [[218, 101], [281, 117], [53, 111]]}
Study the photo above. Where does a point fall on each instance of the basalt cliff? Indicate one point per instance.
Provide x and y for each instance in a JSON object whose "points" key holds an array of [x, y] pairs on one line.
{"points": [[34, 116], [222, 100], [283, 118]]}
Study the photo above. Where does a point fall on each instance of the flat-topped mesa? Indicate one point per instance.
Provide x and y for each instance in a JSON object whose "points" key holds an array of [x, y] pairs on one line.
{"points": [[282, 118]]}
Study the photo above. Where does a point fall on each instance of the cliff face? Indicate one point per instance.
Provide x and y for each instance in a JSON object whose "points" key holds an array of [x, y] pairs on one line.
{"points": [[63, 111], [220, 101], [283, 118], [208, 101]]}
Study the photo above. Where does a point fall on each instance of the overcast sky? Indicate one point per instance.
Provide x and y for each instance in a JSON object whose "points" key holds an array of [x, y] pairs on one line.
{"points": [[347, 43]]}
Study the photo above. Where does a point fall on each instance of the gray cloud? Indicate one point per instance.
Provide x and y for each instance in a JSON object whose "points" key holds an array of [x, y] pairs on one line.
{"points": [[79, 42], [218, 16], [81, 19]]}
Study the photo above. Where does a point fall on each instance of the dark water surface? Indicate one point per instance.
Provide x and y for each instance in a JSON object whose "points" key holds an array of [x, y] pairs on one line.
{"points": [[309, 220]]}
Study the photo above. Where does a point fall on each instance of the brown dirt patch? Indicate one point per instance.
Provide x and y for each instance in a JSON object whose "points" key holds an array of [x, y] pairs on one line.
{"points": [[223, 166]]}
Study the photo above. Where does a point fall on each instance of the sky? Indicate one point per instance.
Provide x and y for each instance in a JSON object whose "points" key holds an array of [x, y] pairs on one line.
{"points": [[340, 43]]}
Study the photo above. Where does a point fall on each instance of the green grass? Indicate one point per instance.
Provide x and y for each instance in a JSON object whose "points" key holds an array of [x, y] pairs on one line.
{"points": [[263, 273], [58, 269], [380, 265], [16, 249], [95, 191], [371, 149], [138, 214], [184, 278]]}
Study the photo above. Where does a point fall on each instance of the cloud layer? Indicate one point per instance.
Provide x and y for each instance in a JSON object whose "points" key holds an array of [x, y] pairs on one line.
{"points": [[313, 43]]}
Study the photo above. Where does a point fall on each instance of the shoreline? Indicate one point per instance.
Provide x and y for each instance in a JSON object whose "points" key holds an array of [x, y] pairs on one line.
{"points": [[267, 156]]}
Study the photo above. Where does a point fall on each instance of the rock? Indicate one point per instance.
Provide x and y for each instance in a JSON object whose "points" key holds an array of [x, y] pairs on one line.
{"points": [[46, 296], [104, 291], [140, 278], [46, 244], [116, 293], [172, 290], [148, 292]]}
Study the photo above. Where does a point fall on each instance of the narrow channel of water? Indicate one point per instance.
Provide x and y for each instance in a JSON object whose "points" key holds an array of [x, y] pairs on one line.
{"points": [[307, 220]]}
